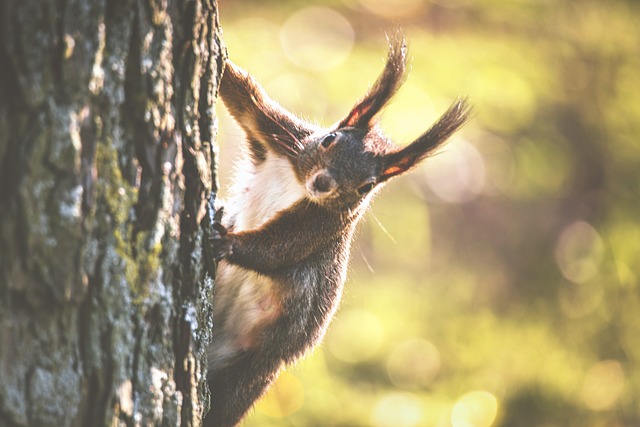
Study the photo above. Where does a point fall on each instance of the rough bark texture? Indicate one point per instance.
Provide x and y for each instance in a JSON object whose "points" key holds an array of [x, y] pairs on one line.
{"points": [[106, 158]]}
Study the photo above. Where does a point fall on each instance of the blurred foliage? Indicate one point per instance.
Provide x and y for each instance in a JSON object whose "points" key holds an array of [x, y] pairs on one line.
{"points": [[498, 285]]}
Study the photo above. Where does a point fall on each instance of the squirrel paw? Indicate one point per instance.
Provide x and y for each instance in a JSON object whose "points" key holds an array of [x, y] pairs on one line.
{"points": [[220, 241]]}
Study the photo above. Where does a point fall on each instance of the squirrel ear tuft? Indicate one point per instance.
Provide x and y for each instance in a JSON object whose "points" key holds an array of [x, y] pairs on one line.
{"points": [[266, 123], [363, 113], [400, 161]]}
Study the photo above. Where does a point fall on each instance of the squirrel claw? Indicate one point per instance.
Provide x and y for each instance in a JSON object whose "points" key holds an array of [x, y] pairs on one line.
{"points": [[218, 245], [220, 241], [219, 228]]}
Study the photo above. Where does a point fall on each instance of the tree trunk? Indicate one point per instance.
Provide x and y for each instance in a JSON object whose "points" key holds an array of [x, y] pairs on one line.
{"points": [[106, 161]]}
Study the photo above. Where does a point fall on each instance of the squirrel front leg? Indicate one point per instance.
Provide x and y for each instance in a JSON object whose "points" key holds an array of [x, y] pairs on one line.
{"points": [[287, 239]]}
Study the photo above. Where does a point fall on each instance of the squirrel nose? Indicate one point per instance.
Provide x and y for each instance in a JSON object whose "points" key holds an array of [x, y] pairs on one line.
{"points": [[324, 183]]}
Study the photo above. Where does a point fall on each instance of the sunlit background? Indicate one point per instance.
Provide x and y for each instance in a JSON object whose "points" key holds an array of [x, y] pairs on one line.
{"points": [[497, 285]]}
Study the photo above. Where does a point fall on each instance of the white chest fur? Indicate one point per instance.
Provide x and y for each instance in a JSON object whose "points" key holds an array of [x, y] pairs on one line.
{"points": [[247, 298], [262, 191]]}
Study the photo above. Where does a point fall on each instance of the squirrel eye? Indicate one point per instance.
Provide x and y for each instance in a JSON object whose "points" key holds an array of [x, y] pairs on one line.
{"points": [[365, 188], [327, 140]]}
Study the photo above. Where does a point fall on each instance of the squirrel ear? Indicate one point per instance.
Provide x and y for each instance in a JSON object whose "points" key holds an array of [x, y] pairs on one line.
{"points": [[400, 161], [384, 88], [267, 124]]}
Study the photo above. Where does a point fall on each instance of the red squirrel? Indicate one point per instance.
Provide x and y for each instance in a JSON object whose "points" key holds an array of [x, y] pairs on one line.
{"points": [[284, 242]]}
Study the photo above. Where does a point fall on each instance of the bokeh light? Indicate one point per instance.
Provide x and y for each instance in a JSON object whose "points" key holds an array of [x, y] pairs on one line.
{"points": [[475, 409], [579, 252], [457, 173], [397, 410], [317, 38], [413, 363], [579, 301], [603, 385]]}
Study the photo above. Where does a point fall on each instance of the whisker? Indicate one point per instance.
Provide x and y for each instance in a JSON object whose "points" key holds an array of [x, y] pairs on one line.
{"points": [[297, 143], [366, 262], [384, 230], [283, 144]]}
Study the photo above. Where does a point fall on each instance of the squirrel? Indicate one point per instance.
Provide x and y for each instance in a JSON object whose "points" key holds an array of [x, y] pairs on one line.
{"points": [[284, 241]]}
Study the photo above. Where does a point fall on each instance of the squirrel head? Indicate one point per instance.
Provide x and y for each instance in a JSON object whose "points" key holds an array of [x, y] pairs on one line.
{"points": [[341, 166]]}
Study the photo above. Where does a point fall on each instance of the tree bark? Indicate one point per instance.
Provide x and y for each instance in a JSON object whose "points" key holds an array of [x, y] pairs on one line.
{"points": [[107, 157]]}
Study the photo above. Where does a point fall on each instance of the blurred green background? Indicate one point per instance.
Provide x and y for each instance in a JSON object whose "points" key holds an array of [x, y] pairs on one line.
{"points": [[497, 285]]}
